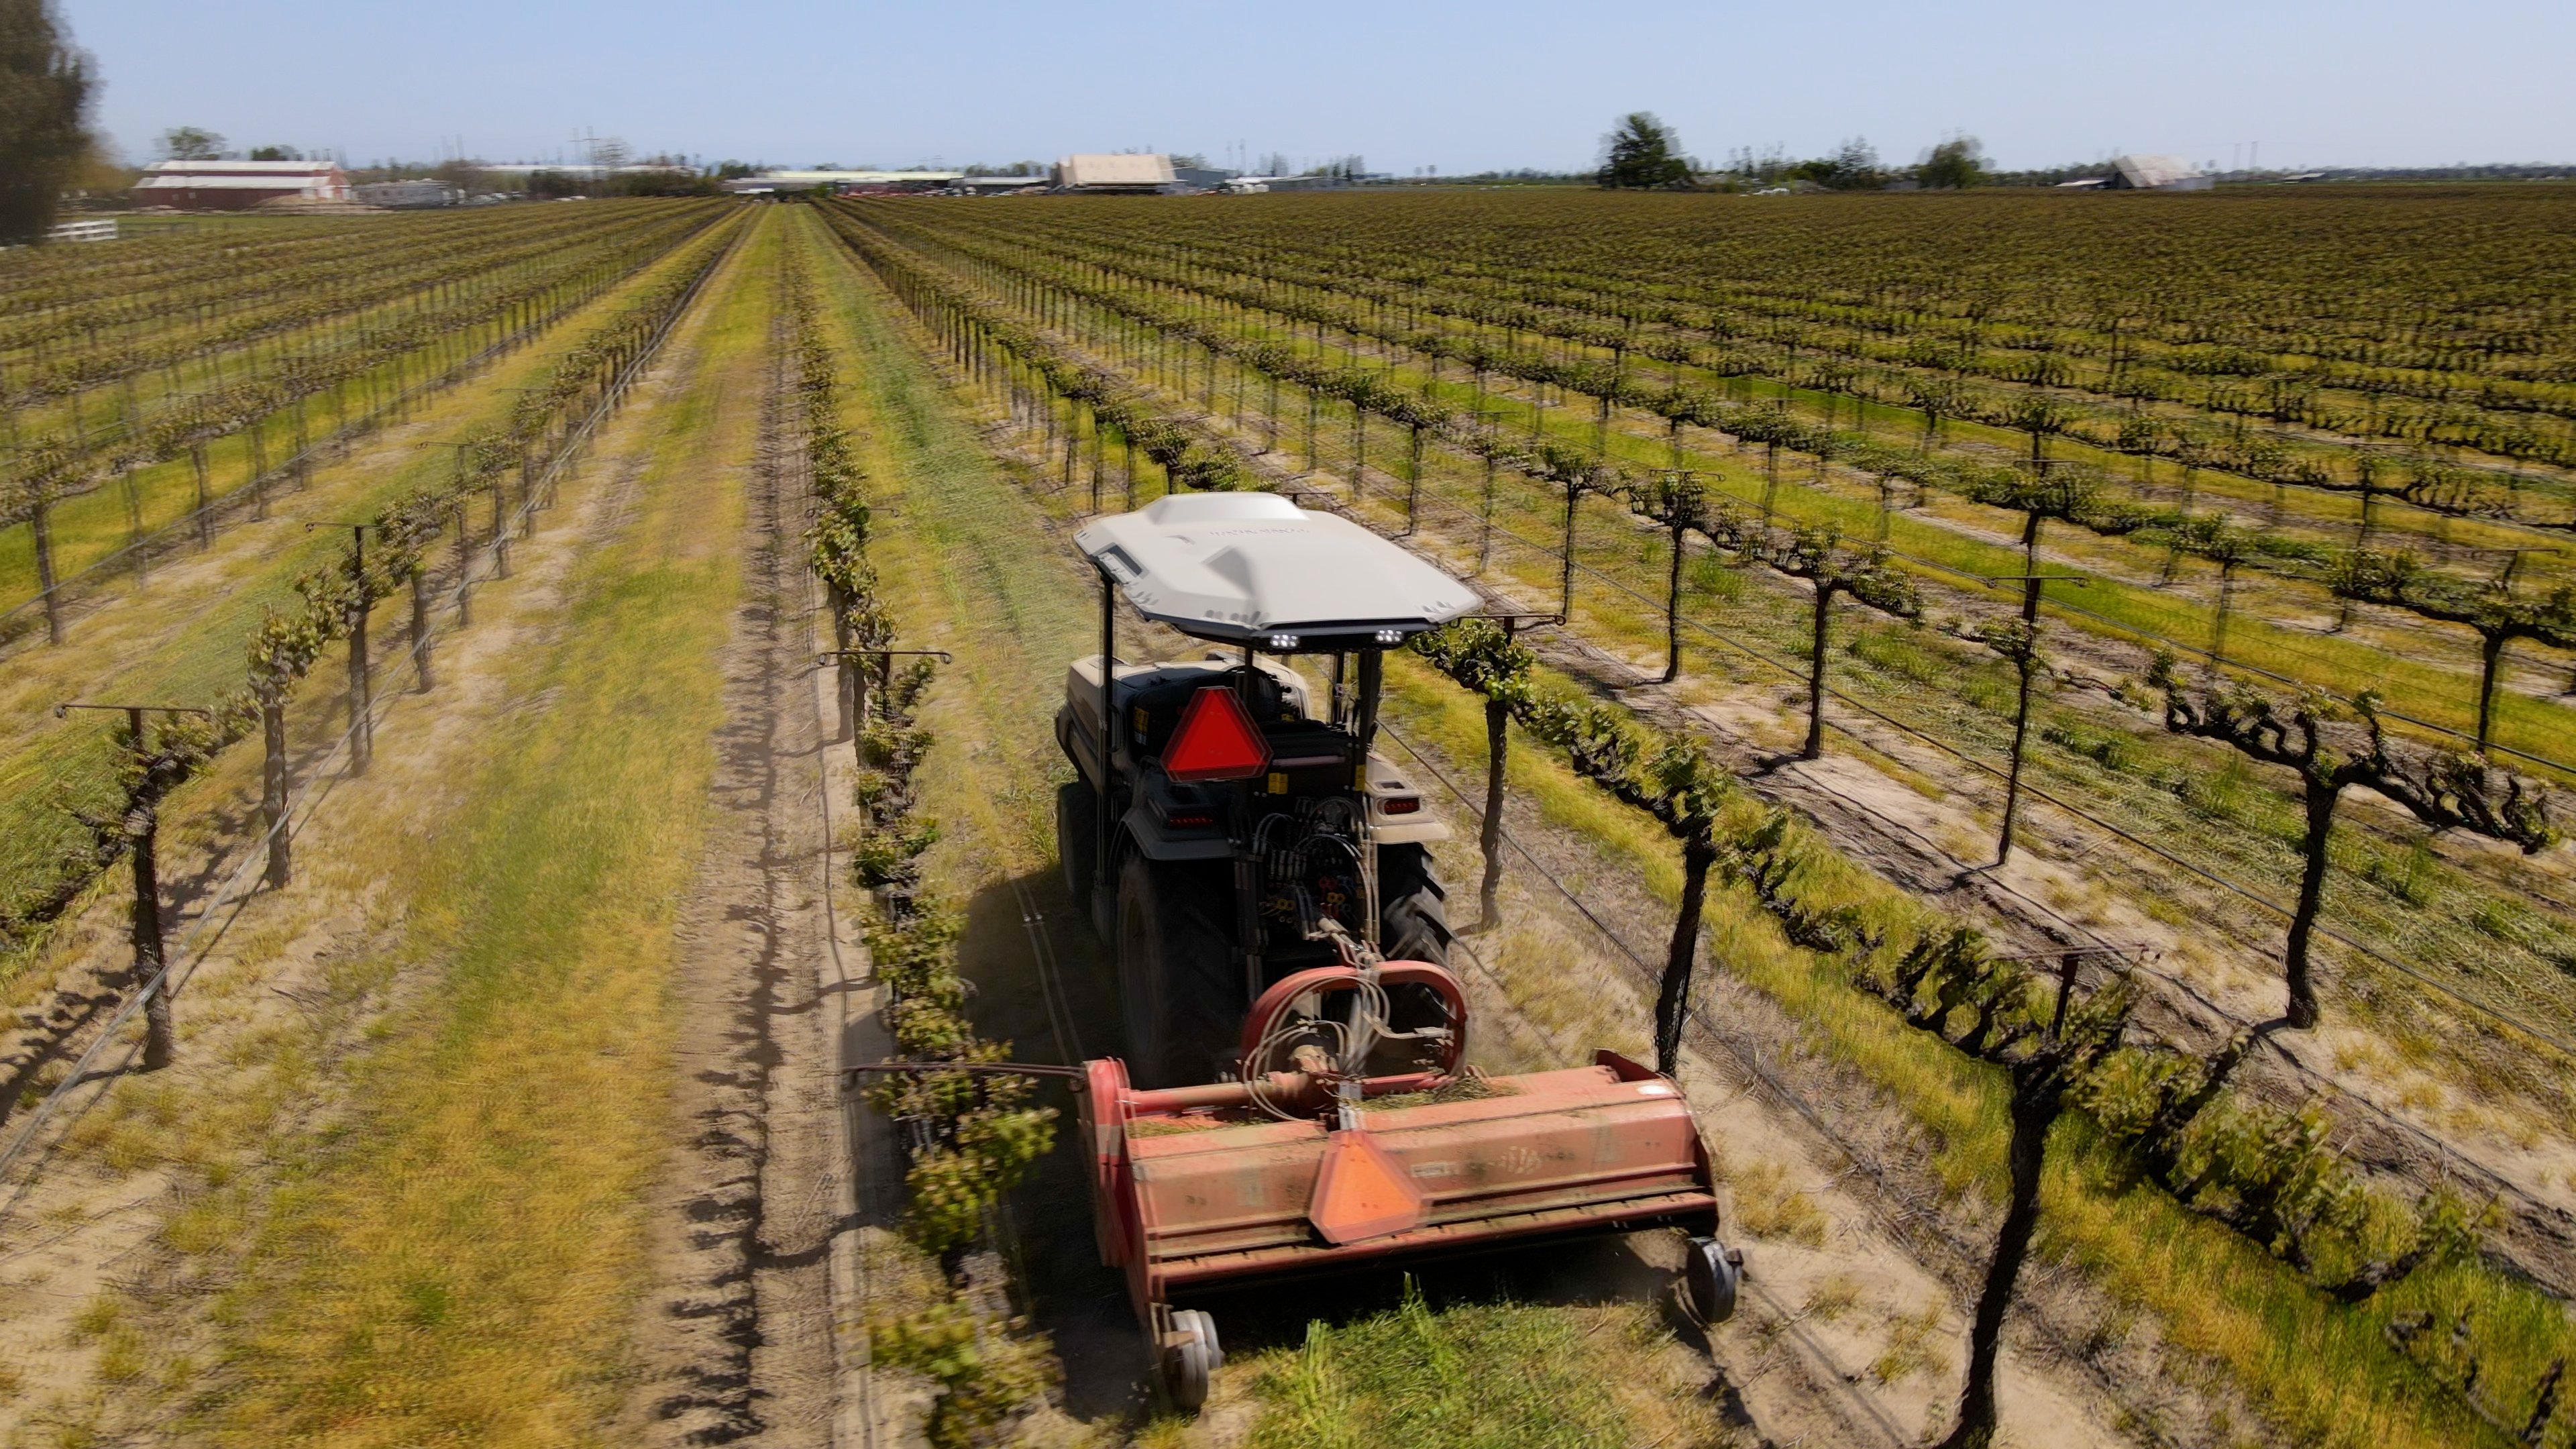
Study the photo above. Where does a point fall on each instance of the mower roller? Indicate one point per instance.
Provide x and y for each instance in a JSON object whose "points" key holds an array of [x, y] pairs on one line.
{"points": [[1295, 1096]]}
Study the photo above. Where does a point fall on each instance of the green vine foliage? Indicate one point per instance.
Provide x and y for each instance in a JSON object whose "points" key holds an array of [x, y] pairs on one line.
{"points": [[975, 1134], [2266, 1171], [986, 1366]]}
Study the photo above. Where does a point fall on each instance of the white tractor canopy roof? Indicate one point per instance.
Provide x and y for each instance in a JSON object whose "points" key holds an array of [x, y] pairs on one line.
{"points": [[1254, 568]]}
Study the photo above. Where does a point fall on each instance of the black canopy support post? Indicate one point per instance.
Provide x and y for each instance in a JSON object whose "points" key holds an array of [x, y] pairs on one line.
{"points": [[1364, 730], [1104, 871]]}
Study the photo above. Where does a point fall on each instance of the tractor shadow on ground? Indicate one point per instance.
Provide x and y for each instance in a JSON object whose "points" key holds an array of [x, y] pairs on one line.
{"points": [[1083, 1308]]}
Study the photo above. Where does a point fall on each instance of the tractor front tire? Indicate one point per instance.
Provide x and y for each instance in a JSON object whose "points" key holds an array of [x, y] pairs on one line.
{"points": [[1176, 986]]}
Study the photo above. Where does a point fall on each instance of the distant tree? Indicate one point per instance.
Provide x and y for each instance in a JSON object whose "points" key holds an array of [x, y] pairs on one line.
{"points": [[1643, 154], [190, 143], [44, 92], [733, 170], [1274, 164], [1853, 168], [1958, 161], [275, 153], [1189, 158]]}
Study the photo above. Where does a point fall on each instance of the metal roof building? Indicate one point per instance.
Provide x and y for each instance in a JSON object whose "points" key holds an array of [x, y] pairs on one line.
{"points": [[2156, 173], [808, 180], [994, 185], [237, 185], [1114, 174]]}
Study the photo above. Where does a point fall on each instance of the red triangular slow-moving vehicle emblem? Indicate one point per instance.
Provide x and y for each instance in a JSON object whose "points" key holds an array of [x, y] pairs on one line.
{"points": [[1362, 1192], [1215, 740]]}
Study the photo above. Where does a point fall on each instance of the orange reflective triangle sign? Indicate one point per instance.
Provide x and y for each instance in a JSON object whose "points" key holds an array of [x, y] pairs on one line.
{"points": [[1361, 1191], [1215, 740]]}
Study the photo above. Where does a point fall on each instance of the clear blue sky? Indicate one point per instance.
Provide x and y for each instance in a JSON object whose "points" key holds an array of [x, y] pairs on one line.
{"points": [[1455, 85]]}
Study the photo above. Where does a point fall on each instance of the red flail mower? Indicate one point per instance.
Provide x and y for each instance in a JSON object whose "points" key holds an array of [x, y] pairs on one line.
{"points": [[1323, 1153]]}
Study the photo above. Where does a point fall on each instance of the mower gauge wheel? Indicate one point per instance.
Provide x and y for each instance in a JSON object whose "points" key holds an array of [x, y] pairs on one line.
{"points": [[1191, 1356], [1712, 1274]]}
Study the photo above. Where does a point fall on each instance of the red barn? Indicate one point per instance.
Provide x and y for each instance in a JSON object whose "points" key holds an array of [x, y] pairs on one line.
{"points": [[237, 185]]}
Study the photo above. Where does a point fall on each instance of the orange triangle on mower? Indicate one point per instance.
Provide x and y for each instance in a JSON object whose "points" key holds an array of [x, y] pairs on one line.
{"points": [[1215, 740], [1361, 1191]]}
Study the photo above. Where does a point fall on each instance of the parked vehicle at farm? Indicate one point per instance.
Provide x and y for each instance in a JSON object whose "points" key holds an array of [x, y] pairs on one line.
{"points": [[1296, 1096]]}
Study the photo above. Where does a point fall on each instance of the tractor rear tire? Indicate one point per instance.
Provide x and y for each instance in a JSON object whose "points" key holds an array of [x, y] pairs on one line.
{"points": [[1077, 840], [1413, 912], [1176, 986]]}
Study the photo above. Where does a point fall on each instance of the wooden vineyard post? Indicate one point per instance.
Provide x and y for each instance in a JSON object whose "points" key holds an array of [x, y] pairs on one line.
{"points": [[154, 776], [205, 514], [258, 473], [464, 560], [143, 824], [2021, 646], [362, 739], [500, 529], [1413, 482], [272, 785], [1359, 451], [1819, 641], [1498, 739], [1565, 579], [1770, 477], [362, 726], [420, 682], [45, 567], [1672, 995], [1097, 445]]}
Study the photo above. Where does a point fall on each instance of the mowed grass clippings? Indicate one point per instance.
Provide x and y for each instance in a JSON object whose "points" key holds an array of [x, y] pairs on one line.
{"points": [[1474, 1376], [457, 1263]]}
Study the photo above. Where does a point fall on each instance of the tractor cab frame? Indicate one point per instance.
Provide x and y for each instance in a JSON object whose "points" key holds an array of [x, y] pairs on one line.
{"points": [[1221, 812]]}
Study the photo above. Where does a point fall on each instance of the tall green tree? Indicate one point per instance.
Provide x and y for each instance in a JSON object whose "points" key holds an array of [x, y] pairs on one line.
{"points": [[1959, 161], [1643, 153], [45, 87], [191, 143]]}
